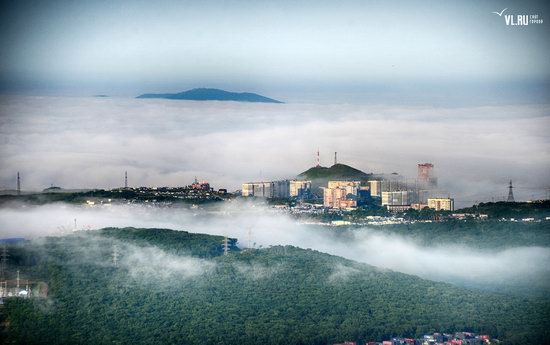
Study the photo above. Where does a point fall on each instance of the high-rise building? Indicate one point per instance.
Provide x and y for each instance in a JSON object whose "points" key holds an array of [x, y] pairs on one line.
{"points": [[337, 198], [272, 189], [441, 204], [375, 188], [280, 189], [398, 198], [351, 187], [341, 194], [426, 176]]}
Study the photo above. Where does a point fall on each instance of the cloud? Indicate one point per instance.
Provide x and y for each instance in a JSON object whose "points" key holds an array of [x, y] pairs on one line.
{"points": [[150, 263], [445, 262], [90, 142]]}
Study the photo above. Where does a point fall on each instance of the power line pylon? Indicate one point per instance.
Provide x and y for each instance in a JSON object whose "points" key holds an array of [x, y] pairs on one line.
{"points": [[225, 245], [115, 255], [510, 193]]}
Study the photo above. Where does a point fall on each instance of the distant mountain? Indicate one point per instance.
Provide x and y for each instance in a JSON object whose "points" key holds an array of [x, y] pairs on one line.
{"points": [[206, 94]]}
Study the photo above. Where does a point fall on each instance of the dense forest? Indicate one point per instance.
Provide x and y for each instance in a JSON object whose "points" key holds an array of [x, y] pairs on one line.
{"points": [[169, 287], [488, 234]]}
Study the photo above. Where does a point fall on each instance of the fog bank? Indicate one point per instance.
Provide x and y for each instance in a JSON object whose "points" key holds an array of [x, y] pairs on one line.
{"points": [[262, 227], [90, 142]]}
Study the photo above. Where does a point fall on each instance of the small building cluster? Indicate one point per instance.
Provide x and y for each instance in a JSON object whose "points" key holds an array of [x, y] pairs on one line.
{"points": [[458, 338], [394, 192], [398, 194], [17, 286], [345, 194]]}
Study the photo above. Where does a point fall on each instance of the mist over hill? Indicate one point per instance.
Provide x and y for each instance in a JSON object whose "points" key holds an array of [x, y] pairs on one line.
{"points": [[172, 286]]}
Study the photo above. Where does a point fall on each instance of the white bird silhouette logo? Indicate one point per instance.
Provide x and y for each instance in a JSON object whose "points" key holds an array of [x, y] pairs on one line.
{"points": [[501, 12]]}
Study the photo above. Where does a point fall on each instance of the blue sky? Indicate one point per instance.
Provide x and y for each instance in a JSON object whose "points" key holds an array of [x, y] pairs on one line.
{"points": [[390, 51]]}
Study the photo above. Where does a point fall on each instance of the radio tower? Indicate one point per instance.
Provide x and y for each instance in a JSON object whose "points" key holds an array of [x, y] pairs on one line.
{"points": [[510, 193], [18, 184], [126, 180], [335, 159], [318, 159]]}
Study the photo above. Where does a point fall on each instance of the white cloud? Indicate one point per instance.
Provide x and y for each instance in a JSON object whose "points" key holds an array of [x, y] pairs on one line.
{"points": [[89, 142]]}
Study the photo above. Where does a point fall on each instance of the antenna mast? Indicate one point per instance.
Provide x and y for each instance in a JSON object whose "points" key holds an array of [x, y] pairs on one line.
{"points": [[18, 184], [335, 158], [126, 180], [318, 159]]}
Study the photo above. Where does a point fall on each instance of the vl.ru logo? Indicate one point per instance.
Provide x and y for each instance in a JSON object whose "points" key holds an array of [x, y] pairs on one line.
{"points": [[520, 19]]}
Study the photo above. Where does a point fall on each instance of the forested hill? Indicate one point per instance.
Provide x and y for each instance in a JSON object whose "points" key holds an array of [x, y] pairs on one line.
{"points": [[208, 94], [319, 175], [168, 287]]}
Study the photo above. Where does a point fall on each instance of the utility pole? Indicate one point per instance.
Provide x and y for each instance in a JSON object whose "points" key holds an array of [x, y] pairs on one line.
{"points": [[18, 184]]}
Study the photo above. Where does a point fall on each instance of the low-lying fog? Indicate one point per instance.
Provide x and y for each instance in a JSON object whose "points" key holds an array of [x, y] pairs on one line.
{"points": [[445, 262], [90, 142]]}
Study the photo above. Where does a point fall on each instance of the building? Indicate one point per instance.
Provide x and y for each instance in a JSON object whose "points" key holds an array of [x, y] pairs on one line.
{"points": [[280, 189], [351, 187], [441, 204], [257, 189], [201, 185], [418, 206], [341, 194], [337, 198], [272, 189], [375, 188], [398, 208], [425, 175], [300, 189], [398, 198]]}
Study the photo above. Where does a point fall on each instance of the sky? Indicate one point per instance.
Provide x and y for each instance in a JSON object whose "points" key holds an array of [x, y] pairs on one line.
{"points": [[299, 51], [387, 84]]}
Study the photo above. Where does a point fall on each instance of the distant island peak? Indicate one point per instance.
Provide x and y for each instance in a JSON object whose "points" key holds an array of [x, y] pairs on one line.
{"points": [[210, 94]]}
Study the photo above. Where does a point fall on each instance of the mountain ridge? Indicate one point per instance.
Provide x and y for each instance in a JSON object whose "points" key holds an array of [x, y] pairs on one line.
{"points": [[212, 94]]}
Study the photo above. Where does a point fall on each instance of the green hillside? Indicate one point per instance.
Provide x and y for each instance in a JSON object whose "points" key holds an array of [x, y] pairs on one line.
{"points": [[173, 287], [337, 171], [319, 176]]}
